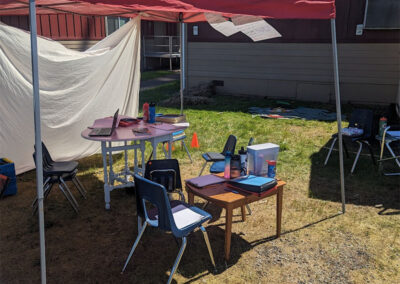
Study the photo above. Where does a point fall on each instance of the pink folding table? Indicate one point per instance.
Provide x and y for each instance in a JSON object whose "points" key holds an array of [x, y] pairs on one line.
{"points": [[158, 132]]}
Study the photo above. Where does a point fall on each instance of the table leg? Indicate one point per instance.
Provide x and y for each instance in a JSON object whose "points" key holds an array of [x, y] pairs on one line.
{"points": [[110, 157], [243, 213], [191, 198], [228, 233], [106, 186], [279, 198], [142, 149], [135, 159], [170, 147], [126, 162], [154, 145]]}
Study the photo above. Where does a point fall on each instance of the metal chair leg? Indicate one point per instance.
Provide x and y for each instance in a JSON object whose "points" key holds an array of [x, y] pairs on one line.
{"points": [[182, 196], [202, 169], [45, 184], [81, 186], [77, 185], [248, 208], [208, 245], [139, 223], [68, 197], [69, 192], [187, 151], [178, 259], [205, 205], [135, 245], [46, 191], [357, 156], [392, 153], [371, 152], [330, 151]]}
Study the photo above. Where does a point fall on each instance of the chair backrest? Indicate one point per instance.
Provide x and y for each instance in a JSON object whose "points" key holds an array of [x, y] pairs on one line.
{"points": [[362, 118], [230, 145], [47, 160], [165, 172], [154, 193]]}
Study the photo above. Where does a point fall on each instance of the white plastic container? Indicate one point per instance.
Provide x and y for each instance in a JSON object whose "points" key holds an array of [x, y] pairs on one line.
{"points": [[257, 156]]}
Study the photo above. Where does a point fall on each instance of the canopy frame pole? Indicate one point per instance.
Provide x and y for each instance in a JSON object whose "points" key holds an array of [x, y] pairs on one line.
{"points": [[182, 62], [38, 137], [338, 111]]}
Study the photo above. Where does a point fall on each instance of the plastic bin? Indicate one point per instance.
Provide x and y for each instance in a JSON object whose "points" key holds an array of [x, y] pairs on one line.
{"points": [[8, 169], [257, 156]]}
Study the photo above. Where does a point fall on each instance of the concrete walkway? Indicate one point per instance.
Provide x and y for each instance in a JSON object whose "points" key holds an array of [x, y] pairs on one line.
{"points": [[156, 82]]}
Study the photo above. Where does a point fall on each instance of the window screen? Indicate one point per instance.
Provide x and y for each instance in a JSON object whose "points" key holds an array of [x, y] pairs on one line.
{"points": [[382, 14]]}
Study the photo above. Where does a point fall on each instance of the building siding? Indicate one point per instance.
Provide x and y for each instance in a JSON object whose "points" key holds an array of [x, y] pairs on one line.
{"points": [[369, 72], [62, 26]]}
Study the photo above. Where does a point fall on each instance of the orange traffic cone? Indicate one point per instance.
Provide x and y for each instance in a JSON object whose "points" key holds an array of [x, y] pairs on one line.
{"points": [[195, 141]]}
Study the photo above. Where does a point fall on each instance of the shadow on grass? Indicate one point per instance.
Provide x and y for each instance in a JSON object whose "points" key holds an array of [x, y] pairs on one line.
{"points": [[221, 103], [366, 186]]}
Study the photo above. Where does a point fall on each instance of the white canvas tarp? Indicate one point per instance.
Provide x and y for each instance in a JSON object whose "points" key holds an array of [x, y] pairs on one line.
{"points": [[75, 89]]}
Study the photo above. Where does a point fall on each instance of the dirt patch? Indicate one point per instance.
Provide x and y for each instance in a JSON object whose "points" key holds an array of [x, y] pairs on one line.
{"points": [[175, 101], [313, 263]]}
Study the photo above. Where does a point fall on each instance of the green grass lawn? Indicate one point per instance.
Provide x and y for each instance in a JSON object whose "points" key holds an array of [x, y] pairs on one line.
{"points": [[317, 245], [148, 75]]}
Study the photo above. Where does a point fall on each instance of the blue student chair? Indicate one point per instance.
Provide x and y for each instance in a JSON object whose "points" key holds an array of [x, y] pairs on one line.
{"points": [[177, 217], [176, 136], [179, 136], [212, 157]]}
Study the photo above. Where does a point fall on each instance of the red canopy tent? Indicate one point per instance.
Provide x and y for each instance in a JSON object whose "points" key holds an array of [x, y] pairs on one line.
{"points": [[178, 10], [183, 11]]}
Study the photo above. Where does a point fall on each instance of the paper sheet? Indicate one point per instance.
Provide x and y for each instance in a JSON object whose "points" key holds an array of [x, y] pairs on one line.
{"points": [[255, 28], [220, 24], [186, 217]]}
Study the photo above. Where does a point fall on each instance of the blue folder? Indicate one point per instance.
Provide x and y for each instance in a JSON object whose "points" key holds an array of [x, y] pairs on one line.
{"points": [[253, 183]]}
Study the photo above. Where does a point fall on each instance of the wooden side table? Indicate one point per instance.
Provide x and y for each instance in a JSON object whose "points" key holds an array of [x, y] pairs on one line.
{"points": [[225, 197]]}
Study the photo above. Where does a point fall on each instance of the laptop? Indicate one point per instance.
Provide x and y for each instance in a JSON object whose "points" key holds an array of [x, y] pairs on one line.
{"points": [[105, 131]]}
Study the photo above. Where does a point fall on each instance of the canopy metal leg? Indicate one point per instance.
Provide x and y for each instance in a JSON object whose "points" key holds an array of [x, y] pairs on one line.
{"points": [[38, 136], [182, 63], [338, 111]]}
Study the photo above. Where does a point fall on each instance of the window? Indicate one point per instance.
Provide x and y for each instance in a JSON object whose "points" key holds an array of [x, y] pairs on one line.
{"points": [[114, 23], [382, 14]]}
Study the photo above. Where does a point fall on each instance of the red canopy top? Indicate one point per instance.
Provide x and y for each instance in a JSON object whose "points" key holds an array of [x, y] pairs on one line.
{"points": [[176, 10]]}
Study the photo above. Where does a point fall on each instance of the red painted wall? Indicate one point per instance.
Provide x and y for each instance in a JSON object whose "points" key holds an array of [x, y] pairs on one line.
{"points": [[62, 26]]}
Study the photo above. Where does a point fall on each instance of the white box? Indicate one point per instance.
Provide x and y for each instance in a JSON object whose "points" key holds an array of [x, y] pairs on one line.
{"points": [[257, 156]]}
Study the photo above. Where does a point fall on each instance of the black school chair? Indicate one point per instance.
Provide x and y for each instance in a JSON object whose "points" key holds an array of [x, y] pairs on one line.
{"points": [[363, 119], [167, 173], [59, 172]]}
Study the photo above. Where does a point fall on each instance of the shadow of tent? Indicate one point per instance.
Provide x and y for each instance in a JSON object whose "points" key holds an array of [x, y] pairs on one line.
{"points": [[366, 186]]}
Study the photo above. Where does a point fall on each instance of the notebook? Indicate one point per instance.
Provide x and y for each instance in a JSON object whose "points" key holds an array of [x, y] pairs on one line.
{"points": [[186, 217], [254, 184], [105, 131], [205, 180], [215, 156]]}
